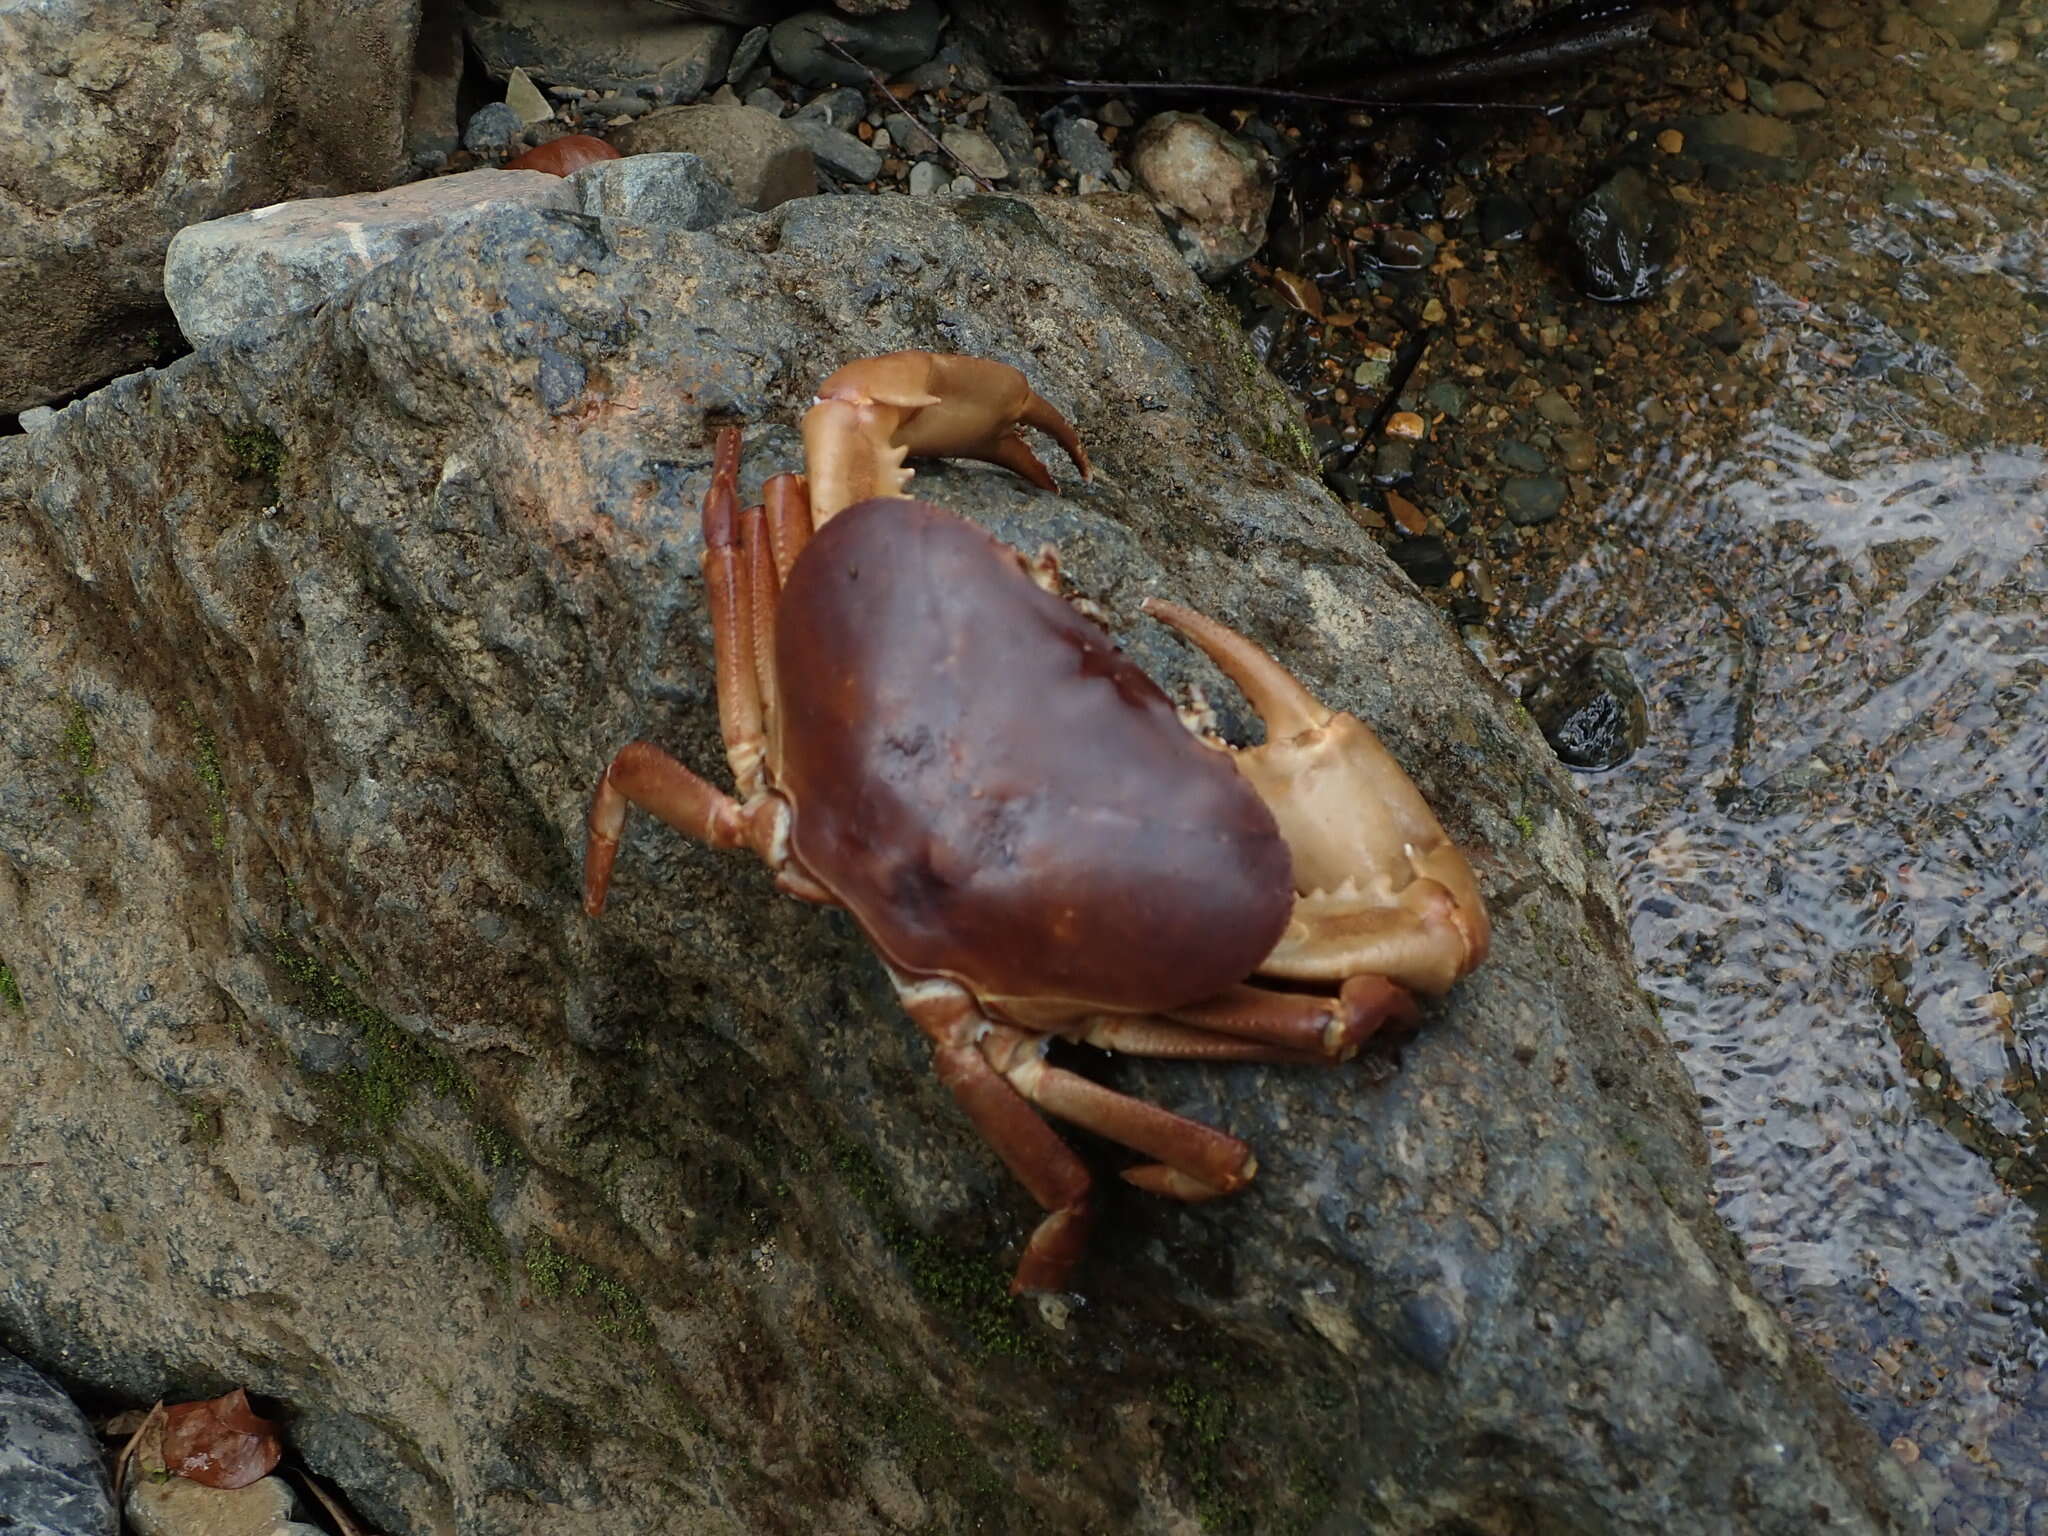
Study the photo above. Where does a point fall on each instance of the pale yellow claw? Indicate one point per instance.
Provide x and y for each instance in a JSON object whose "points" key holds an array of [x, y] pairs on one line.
{"points": [[872, 415]]}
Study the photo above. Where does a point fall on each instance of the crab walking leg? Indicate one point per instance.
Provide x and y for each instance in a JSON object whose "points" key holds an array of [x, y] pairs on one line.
{"points": [[763, 588], [1032, 1150], [644, 775], [788, 508], [732, 624], [1213, 1160], [1249, 1023]]}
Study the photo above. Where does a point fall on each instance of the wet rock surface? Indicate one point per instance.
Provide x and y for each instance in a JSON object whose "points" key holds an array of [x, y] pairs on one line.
{"points": [[52, 1479], [324, 644], [1237, 40], [631, 46], [262, 265], [764, 160], [122, 126]]}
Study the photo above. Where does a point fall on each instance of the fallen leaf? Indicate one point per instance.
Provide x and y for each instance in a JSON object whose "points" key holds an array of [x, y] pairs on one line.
{"points": [[1299, 291], [221, 1443]]}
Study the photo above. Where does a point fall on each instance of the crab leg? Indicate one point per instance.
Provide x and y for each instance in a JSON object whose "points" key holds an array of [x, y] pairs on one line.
{"points": [[644, 775], [733, 627], [1032, 1150], [872, 415], [1249, 1023], [788, 507], [1210, 1160]]}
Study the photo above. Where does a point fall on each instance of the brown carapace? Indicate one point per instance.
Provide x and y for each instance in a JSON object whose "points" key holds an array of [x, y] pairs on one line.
{"points": [[1015, 815]]}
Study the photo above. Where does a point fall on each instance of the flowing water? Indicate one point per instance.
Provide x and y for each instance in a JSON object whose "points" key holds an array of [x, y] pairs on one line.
{"points": [[1834, 843]]}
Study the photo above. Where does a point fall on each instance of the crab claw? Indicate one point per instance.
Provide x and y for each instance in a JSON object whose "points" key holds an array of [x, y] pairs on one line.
{"points": [[872, 415], [1380, 888]]}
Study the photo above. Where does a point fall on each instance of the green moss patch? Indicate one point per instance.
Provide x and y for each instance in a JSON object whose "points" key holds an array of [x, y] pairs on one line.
{"points": [[614, 1307], [370, 1098], [258, 452], [971, 1289], [10, 989], [206, 752]]}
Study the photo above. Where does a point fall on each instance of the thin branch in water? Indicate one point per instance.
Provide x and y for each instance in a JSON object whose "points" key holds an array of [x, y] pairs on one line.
{"points": [[883, 86], [1259, 93]]}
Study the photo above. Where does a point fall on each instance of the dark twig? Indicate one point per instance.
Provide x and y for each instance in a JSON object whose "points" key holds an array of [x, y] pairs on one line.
{"points": [[1255, 92], [1581, 32], [883, 86]]}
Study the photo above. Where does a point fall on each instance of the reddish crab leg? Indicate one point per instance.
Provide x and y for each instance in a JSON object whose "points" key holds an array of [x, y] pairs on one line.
{"points": [[729, 592], [1248, 1023], [1216, 1160], [1032, 1150], [788, 506], [644, 775]]}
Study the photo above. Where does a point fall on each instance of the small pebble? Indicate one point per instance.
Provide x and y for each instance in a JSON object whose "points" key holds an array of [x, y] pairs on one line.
{"points": [[926, 178], [1407, 424], [1671, 141], [1532, 499], [493, 130]]}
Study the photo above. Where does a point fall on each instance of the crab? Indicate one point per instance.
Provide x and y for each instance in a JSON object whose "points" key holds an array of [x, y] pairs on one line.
{"points": [[922, 731]]}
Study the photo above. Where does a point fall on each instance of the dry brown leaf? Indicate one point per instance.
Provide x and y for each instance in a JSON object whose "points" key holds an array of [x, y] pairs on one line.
{"points": [[1299, 291], [222, 1443]]}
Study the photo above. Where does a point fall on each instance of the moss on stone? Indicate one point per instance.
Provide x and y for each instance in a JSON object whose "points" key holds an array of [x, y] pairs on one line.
{"points": [[614, 1307], [372, 1097], [10, 989], [257, 452], [460, 1202], [973, 1290], [498, 1147], [206, 750], [80, 749]]}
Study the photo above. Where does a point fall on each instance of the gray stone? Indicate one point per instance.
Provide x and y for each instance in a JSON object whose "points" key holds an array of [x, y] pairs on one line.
{"points": [[176, 1506], [1797, 99], [765, 100], [1967, 21], [1532, 499], [838, 152], [667, 191], [928, 177], [53, 1481], [259, 265], [124, 123], [840, 107], [977, 152], [764, 159], [603, 45], [1211, 187], [1244, 41], [1076, 141], [1743, 141], [806, 46], [547, 1226], [495, 129], [747, 53], [36, 417]]}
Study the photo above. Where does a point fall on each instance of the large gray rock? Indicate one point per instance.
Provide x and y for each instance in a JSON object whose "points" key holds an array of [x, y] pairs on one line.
{"points": [[616, 45], [667, 191], [762, 158], [124, 123], [267, 262], [53, 1480], [544, 1225], [1228, 41]]}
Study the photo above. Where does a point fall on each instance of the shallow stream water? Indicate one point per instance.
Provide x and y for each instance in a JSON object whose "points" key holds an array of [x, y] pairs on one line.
{"points": [[1834, 843]]}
